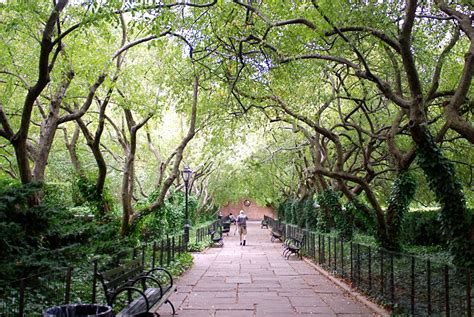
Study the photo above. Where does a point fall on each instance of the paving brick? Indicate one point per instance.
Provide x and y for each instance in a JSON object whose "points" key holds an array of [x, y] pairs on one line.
{"points": [[256, 281]]}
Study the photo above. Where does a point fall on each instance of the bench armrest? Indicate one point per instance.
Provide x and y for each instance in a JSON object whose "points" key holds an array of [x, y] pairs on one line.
{"points": [[143, 278], [130, 288], [162, 270]]}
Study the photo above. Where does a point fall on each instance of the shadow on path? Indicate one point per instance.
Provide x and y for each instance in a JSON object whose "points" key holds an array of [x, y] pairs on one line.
{"points": [[256, 280]]}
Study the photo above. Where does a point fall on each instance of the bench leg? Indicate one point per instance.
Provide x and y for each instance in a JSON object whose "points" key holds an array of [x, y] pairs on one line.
{"points": [[172, 307]]}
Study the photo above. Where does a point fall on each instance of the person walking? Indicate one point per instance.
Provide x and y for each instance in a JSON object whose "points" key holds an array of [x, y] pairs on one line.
{"points": [[242, 224]]}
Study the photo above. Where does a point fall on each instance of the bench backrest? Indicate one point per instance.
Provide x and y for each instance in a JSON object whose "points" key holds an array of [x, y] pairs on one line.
{"points": [[115, 278], [298, 237]]}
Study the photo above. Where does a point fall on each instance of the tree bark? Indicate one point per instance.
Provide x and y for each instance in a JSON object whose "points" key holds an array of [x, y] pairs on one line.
{"points": [[129, 170], [71, 148], [178, 158]]}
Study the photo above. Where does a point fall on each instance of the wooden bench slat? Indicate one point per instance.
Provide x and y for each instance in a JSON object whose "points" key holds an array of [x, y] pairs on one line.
{"points": [[124, 278], [112, 273], [164, 298], [139, 305]]}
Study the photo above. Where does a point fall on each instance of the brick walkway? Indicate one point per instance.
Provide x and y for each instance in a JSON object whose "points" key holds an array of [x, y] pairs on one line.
{"points": [[255, 280]]}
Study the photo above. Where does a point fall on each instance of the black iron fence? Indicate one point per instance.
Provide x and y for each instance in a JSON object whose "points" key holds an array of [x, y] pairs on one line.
{"points": [[29, 296], [407, 283]]}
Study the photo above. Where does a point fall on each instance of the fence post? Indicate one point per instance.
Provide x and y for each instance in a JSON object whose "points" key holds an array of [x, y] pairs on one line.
{"points": [[143, 254], [428, 278], [370, 269], [168, 251], [392, 280], [358, 264], [319, 248], [173, 246], [67, 292], [153, 255], [94, 281], [412, 301], [468, 292], [412, 278], [329, 252], [21, 308], [335, 254], [446, 290], [381, 272], [352, 263], [162, 247], [324, 250], [342, 257]]}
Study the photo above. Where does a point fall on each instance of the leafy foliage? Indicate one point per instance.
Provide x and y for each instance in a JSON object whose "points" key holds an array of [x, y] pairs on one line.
{"points": [[309, 212], [169, 218], [343, 219], [85, 194]]}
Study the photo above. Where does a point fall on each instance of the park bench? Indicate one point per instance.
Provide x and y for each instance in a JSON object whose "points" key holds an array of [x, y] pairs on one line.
{"points": [[293, 244], [216, 237], [145, 290], [277, 233], [264, 224], [226, 226]]}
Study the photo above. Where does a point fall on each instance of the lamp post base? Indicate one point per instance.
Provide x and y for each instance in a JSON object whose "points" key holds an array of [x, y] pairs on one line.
{"points": [[186, 236]]}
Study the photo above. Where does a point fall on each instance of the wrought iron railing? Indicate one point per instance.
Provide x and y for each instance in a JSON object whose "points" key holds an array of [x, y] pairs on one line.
{"points": [[29, 296], [407, 283]]}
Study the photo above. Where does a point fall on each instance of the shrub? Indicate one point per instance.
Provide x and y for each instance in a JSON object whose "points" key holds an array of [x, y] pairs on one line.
{"points": [[169, 218], [310, 214], [424, 228], [288, 211], [58, 194], [281, 211]]}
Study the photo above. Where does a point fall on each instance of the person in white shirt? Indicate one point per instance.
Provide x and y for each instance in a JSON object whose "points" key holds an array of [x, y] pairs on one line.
{"points": [[242, 223]]}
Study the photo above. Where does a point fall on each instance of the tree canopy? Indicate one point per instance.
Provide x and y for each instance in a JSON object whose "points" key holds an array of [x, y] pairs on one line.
{"points": [[265, 100]]}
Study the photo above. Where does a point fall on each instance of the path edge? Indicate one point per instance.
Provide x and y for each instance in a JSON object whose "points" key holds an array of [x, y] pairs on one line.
{"points": [[376, 308]]}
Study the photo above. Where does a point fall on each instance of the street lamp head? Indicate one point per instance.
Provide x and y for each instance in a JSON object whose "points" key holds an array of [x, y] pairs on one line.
{"points": [[186, 173]]}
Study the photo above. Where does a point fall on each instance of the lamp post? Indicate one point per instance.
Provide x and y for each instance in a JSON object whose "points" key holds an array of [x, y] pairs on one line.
{"points": [[186, 173]]}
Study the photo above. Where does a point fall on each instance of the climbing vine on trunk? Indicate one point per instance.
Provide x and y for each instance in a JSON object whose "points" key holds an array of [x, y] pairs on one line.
{"points": [[403, 192], [443, 182], [343, 219]]}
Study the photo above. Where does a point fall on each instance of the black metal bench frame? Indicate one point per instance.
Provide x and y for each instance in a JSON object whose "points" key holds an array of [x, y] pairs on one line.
{"points": [[216, 237], [277, 234], [226, 226], [293, 244], [132, 278]]}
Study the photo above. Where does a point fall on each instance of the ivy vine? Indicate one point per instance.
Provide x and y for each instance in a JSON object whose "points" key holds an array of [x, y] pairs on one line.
{"points": [[343, 219], [441, 178], [403, 192]]}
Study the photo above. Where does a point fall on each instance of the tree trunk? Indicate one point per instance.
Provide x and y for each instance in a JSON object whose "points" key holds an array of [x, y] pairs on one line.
{"points": [[441, 177], [403, 192], [178, 158], [71, 148], [129, 170]]}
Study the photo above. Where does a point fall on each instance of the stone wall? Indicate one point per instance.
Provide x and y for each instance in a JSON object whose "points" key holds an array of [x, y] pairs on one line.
{"points": [[253, 211]]}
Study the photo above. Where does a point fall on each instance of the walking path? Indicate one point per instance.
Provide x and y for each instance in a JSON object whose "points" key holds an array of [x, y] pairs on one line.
{"points": [[256, 280]]}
